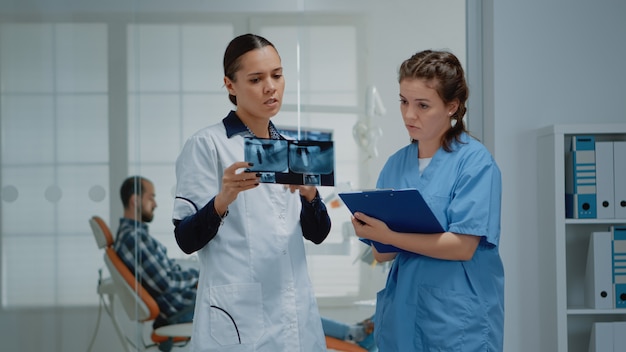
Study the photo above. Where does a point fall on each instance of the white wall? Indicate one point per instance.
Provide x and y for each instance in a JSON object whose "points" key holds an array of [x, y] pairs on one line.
{"points": [[392, 40], [72, 329], [555, 61]]}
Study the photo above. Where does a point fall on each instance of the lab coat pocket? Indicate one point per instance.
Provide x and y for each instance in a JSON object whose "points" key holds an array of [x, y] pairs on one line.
{"points": [[443, 318], [236, 313]]}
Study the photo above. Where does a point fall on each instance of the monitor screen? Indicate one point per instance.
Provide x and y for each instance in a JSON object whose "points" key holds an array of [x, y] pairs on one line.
{"points": [[306, 133]]}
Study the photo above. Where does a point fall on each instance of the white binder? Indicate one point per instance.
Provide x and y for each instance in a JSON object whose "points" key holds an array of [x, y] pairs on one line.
{"points": [[605, 191], [599, 272], [619, 164], [608, 337], [601, 338], [619, 336]]}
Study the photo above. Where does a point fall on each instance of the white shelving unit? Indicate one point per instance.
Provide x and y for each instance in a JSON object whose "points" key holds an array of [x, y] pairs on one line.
{"points": [[566, 322]]}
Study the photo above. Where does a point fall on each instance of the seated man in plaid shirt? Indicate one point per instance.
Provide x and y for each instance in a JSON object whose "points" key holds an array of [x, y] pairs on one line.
{"points": [[173, 287]]}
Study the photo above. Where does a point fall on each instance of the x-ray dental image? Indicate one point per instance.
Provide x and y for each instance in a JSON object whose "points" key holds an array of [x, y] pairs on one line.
{"points": [[309, 157], [311, 180], [267, 154], [268, 177], [300, 162]]}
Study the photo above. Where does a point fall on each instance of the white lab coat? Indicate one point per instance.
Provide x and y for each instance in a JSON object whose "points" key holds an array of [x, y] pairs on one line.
{"points": [[254, 292]]}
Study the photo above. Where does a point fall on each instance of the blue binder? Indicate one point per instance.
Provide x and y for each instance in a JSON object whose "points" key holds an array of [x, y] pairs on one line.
{"points": [[403, 210], [618, 236], [580, 179]]}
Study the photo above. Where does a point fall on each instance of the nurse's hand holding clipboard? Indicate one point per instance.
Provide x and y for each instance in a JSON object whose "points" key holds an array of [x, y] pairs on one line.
{"points": [[373, 229], [233, 182], [370, 228], [445, 245]]}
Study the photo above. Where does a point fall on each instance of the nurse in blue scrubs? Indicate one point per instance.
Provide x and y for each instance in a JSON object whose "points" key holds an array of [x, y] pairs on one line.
{"points": [[445, 291]]}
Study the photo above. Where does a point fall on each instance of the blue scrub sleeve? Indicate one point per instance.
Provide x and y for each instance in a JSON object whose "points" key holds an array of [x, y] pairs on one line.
{"points": [[195, 231], [314, 219]]}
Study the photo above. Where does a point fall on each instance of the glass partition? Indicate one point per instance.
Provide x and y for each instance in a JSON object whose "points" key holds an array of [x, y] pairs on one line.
{"points": [[93, 92]]}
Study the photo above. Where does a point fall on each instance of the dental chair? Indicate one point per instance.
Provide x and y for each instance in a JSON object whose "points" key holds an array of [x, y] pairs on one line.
{"points": [[334, 344], [138, 304], [141, 307]]}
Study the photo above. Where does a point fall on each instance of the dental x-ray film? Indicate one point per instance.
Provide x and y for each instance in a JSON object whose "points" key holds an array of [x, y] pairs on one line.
{"points": [[298, 162]]}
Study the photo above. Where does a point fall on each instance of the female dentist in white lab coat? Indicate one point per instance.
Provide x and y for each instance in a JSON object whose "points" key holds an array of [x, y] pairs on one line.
{"points": [[254, 292]]}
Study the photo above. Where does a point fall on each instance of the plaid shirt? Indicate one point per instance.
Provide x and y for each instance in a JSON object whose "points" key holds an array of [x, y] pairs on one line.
{"points": [[173, 288]]}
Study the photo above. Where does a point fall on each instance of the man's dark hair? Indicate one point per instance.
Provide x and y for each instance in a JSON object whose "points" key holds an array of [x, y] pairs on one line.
{"points": [[131, 185]]}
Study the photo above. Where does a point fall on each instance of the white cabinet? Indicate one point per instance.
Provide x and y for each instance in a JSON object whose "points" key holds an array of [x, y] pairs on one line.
{"points": [[566, 321]]}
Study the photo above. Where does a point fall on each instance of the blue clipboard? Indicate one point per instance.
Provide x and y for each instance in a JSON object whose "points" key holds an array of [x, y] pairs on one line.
{"points": [[403, 210]]}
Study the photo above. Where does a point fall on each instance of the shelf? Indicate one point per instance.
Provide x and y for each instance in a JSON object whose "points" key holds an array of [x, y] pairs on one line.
{"points": [[573, 129], [595, 221], [588, 311], [563, 254]]}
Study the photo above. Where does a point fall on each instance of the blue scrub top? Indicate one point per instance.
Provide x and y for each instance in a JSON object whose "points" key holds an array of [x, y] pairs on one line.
{"points": [[430, 304]]}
